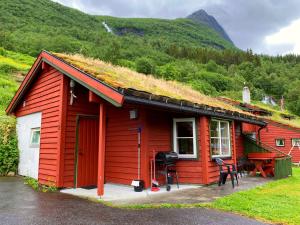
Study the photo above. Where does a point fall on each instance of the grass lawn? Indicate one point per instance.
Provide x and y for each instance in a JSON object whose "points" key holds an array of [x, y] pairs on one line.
{"points": [[277, 202]]}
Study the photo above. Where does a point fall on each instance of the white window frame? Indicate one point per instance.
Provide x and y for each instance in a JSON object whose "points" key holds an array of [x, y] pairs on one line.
{"points": [[293, 139], [33, 130], [277, 143], [220, 139], [175, 137]]}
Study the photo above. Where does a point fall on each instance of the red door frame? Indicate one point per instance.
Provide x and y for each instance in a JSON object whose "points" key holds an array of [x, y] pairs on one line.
{"points": [[79, 116]]}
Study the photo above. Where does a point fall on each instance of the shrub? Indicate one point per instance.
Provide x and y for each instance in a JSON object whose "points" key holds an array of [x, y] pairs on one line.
{"points": [[145, 65], [2, 51], [9, 154], [211, 66]]}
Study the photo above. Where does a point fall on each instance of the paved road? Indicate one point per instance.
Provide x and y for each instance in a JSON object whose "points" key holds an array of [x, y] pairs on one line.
{"points": [[19, 204]]}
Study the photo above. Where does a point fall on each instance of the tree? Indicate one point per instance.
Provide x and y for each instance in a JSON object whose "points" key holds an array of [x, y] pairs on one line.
{"points": [[211, 66], [293, 96], [145, 65]]}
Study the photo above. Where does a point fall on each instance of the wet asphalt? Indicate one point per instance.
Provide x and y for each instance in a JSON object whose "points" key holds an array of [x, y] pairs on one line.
{"points": [[19, 204]]}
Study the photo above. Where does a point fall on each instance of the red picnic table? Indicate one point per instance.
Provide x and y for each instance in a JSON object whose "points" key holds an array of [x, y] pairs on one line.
{"points": [[264, 163]]}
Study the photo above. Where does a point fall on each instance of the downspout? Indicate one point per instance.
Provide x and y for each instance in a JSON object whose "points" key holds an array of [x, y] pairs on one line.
{"points": [[259, 130]]}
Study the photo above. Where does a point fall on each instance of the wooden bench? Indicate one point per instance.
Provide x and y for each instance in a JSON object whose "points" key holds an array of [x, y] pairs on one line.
{"points": [[264, 162]]}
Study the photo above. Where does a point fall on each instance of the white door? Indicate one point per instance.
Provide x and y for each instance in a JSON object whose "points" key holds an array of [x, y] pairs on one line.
{"points": [[28, 131]]}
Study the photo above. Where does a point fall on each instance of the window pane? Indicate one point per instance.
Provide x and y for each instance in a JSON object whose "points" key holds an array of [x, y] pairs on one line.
{"points": [[185, 145], [279, 142], [296, 142], [215, 146], [184, 129], [214, 131], [225, 147], [224, 129], [35, 137]]}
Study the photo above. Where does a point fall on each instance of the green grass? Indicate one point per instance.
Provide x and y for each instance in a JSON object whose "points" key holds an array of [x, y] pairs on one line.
{"points": [[277, 202], [38, 187], [277, 114], [13, 67]]}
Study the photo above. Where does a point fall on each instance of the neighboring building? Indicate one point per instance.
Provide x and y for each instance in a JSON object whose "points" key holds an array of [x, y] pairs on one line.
{"points": [[78, 122], [283, 135], [269, 100]]}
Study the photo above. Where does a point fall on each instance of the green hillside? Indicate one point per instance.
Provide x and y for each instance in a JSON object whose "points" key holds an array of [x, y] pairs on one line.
{"points": [[28, 26], [178, 49], [13, 67]]}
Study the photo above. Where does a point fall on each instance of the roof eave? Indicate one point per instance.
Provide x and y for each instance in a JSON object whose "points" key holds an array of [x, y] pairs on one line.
{"points": [[109, 94], [196, 110]]}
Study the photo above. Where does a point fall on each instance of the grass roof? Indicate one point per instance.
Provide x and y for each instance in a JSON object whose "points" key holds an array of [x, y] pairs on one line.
{"points": [[276, 113], [120, 77]]}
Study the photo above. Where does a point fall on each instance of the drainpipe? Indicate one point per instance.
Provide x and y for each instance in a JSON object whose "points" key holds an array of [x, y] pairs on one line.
{"points": [[262, 127]]}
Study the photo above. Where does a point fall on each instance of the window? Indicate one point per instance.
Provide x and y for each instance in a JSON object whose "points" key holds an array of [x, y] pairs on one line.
{"points": [[280, 142], [35, 137], [220, 138], [184, 131], [296, 142]]}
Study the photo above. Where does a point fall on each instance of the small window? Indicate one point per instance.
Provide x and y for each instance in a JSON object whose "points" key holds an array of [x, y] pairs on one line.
{"points": [[184, 131], [220, 138], [280, 142], [296, 142], [35, 137]]}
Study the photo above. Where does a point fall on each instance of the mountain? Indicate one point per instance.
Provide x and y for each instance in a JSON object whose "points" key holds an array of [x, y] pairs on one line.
{"points": [[182, 49], [202, 17], [28, 26]]}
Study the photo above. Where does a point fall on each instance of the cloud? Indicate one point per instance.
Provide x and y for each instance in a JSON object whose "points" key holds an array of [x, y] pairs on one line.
{"points": [[135, 8], [248, 23], [286, 36]]}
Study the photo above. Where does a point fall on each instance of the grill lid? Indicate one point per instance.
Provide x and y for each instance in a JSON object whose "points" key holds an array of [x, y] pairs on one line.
{"points": [[166, 157]]}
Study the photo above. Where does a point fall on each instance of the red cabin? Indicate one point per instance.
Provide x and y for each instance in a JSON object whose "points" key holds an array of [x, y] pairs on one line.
{"points": [[79, 120], [277, 135]]}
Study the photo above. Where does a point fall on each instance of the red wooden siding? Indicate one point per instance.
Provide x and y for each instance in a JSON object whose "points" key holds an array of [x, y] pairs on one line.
{"points": [[275, 131], [249, 128], [160, 134], [121, 145], [45, 96], [81, 106], [239, 142], [205, 146]]}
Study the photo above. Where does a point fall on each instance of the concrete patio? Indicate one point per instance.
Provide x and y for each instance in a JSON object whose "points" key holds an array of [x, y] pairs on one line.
{"points": [[117, 192], [122, 194]]}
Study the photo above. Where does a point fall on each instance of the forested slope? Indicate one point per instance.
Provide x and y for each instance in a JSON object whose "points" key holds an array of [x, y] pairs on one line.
{"points": [[177, 49]]}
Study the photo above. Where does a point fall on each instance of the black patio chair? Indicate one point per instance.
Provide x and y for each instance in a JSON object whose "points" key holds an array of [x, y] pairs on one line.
{"points": [[230, 170], [242, 164]]}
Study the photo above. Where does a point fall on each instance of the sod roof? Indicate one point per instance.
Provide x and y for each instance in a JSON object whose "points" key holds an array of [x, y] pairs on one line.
{"points": [[122, 78], [268, 113]]}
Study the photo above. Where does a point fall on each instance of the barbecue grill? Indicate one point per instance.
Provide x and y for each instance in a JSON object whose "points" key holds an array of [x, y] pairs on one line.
{"points": [[166, 158], [166, 164]]}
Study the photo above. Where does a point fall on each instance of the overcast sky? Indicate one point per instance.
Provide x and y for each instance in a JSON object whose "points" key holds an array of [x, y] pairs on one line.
{"points": [[266, 26]]}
